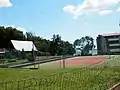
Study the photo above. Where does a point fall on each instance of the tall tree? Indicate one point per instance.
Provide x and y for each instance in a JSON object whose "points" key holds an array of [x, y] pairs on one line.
{"points": [[54, 45], [30, 36], [9, 33], [61, 47], [85, 44]]}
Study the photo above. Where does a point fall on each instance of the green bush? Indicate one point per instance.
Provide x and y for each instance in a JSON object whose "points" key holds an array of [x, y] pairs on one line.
{"points": [[2, 61], [29, 57], [43, 54], [12, 60]]}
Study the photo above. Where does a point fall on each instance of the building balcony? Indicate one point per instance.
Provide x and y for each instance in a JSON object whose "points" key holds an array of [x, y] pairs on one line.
{"points": [[112, 45], [113, 39], [115, 50]]}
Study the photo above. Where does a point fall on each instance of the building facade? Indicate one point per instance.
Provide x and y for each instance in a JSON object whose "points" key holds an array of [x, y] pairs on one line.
{"points": [[108, 44]]}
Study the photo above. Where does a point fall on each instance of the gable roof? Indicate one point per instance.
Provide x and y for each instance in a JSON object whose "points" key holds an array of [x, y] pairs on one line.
{"points": [[26, 45]]}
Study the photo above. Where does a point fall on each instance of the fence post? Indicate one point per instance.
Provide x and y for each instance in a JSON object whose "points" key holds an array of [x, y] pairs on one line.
{"points": [[38, 65], [63, 62], [12, 85], [24, 84], [18, 86], [60, 62], [34, 64], [5, 85]]}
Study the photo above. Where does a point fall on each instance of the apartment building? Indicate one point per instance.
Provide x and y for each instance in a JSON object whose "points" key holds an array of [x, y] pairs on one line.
{"points": [[108, 44]]}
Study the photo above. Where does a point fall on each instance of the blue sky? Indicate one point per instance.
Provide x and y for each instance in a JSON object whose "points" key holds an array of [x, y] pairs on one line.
{"points": [[69, 18]]}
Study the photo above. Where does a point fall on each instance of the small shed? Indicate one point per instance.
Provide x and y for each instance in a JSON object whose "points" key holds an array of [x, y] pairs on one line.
{"points": [[23, 45]]}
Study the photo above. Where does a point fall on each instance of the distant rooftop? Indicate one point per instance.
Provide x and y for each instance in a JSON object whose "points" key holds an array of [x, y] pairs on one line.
{"points": [[2, 50], [110, 34]]}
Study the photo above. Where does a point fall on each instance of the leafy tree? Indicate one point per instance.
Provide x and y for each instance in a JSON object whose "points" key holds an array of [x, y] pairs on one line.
{"points": [[85, 44], [46, 47], [70, 49], [29, 36], [66, 48], [9, 33], [61, 47], [54, 44]]}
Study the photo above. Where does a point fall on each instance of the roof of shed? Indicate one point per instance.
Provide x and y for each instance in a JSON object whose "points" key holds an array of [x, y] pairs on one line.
{"points": [[26, 45]]}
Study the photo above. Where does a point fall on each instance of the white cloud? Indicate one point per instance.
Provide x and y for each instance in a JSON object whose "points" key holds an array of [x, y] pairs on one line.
{"points": [[5, 3], [105, 12], [21, 29], [69, 9], [118, 10], [18, 28], [90, 6]]}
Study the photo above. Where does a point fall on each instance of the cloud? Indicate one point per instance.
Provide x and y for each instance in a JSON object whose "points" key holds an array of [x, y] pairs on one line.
{"points": [[90, 6], [5, 3], [18, 28], [21, 29], [69, 9], [105, 12], [118, 10]]}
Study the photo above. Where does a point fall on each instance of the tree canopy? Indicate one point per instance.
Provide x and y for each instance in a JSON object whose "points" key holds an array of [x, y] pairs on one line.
{"points": [[55, 46], [60, 47], [9, 33], [84, 44]]}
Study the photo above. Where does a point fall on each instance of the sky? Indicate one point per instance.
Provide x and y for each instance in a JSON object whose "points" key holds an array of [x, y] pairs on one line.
{"points": [[71, 19]]}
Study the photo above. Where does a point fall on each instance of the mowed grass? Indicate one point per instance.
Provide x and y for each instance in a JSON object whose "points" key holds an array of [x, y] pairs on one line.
{"points": [[6, 61], [88, 78], [7, 74]]}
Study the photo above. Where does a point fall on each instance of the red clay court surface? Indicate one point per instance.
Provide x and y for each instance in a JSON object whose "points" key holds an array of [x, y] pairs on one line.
{"points": [[76, 62], [89, 60]]}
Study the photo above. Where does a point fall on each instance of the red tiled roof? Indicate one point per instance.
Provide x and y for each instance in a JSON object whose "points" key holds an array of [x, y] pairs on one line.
{"points": [[2, 50], [111, 34]]}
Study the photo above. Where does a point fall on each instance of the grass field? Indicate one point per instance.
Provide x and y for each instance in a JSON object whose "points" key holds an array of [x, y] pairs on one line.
{"points": [[10, 61], [99, 77], [16, 61]]}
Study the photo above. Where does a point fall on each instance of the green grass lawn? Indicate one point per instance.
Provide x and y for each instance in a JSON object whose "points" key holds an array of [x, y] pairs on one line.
{"points": [[72, 79], [14, 61], [10, 61], [17, 74], [88, 78]]}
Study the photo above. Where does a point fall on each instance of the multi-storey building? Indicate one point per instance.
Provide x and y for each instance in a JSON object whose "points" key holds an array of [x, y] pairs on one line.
{"points": [[108, 44]]}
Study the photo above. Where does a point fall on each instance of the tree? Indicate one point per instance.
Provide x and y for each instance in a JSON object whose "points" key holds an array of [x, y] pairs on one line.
{"points": [[29, 36], [68, 48], [46, 47], [60, 47], [9, 33], [85, 44], [54, 44], [41, 44]]}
